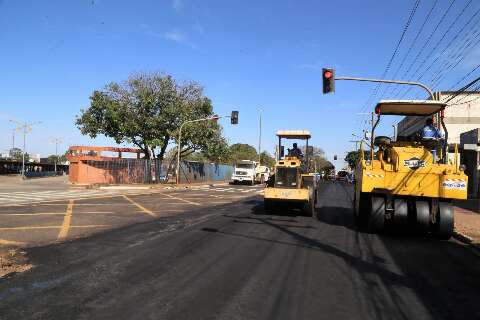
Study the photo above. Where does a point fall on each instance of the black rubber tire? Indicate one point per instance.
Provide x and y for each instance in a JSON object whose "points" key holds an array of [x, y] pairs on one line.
{"points": [[376, 218], [445, 221], [309, 208], [268, 206], [363, 209], [422, 215], [400, 216]]}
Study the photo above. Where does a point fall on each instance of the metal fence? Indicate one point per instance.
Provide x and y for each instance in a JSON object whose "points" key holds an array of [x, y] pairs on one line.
{"points": [[128, 171]]}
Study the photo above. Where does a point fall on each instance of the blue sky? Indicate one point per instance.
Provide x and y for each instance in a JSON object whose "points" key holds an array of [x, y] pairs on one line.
{"points": [[249, 55]]}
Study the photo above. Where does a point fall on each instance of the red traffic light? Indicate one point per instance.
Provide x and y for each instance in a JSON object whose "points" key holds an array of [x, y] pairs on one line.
{"points": [[328, 74]]}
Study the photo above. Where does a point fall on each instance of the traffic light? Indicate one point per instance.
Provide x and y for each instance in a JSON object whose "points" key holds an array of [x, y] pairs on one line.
{"points": [[215, 117], [234, 117], [328, 80], [335, 157]]}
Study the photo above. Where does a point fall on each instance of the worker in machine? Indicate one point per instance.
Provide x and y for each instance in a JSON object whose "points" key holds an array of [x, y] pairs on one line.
{"points": [[295, 152], [430, 134]]}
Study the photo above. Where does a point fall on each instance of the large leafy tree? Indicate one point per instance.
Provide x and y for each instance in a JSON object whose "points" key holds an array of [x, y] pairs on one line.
{"points": [[266, 159], [353, 157], [147, 110], [242, 151]]}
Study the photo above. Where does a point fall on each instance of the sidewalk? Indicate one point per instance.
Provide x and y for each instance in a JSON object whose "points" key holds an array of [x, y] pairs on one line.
{"points": [[467, 219]]}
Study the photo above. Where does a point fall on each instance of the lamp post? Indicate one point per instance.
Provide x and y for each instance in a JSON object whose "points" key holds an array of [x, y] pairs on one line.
{"points": [[56, 141], [25, 128], [260, 137]]}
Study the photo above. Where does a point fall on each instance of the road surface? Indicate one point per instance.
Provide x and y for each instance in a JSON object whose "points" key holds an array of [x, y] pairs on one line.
{"points": [[231, 261]]}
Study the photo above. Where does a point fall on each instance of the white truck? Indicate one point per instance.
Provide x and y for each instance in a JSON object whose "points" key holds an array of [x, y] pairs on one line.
{"points": [[250, 171]]}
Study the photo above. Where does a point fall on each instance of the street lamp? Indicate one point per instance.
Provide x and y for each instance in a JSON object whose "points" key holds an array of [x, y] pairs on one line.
{"points": [[234, 118], [56, 141], [25, 128], [260, 137]]}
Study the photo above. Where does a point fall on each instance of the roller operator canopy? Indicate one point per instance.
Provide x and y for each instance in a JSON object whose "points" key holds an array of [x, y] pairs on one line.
{"points": [[294, 134], [409, 107]]}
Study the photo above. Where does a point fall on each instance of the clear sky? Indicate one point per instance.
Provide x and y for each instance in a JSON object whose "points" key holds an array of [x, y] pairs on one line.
{"points": [[249, 55]]}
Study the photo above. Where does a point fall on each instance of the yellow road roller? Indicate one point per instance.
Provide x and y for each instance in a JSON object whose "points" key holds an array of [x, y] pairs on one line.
{"points": [[409, 183], [292, 185]]}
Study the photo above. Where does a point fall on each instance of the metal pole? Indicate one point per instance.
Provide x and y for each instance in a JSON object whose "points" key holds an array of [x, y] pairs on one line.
{"points": [[180, 141], [430, 92], [260, 138], [56, 155], [23, 153], [178, 153], [394, 132], [13, 139]]}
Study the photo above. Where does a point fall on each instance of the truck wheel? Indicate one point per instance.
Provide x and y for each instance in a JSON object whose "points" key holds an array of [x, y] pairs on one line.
{"points": [[376, 218], [445, 221]]}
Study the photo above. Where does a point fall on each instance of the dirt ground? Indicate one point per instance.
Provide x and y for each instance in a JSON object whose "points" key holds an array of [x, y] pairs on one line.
{"points": [[468, 223], [13, 260]]}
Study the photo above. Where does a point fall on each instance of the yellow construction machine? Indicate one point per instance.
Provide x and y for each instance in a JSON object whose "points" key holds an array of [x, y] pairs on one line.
{"points": [[409, 184], [292, 185]]}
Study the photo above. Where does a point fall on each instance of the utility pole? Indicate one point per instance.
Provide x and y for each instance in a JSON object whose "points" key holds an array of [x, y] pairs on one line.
{"points": [[56, 141], [13, 139], [260, 138], [25, 128]]}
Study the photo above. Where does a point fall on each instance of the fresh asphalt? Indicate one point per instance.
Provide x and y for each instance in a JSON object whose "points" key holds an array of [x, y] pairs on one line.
{"points": [[232, 261]]}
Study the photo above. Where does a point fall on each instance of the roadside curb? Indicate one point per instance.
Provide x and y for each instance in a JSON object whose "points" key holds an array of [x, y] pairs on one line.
{"points": [[466, 240]]}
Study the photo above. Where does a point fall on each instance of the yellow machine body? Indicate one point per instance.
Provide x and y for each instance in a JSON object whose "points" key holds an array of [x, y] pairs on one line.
{"points": [[409, 170], [303, 181]]}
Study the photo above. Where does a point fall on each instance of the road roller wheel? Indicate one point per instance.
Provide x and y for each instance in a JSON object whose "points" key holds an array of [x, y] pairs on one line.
{"points": [[362, 209], [376, 218], [309, 208], [268, 205], [422, 215], [445, 221], [400, 216]]}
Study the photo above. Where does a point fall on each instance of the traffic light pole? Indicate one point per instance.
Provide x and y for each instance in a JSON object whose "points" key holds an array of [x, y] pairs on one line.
{"points": [[177, 173], [430, 92]]}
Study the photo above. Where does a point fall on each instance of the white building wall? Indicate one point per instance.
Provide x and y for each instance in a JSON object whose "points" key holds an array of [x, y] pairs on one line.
{"points": [[461, 114]]}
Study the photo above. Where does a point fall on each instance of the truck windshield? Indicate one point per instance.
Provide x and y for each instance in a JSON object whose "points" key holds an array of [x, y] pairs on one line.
{"points": [[244, 166]]}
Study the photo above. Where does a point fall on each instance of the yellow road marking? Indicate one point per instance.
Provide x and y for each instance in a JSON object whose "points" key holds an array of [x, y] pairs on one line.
{"points": [[62, 235], [53, 227], [187, 201], [4, 242], [145, 210]]}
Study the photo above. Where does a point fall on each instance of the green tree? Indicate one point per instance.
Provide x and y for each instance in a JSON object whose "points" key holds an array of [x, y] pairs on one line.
{"points": [[147, 110], [59, 159], [242, 151], [266, 159], [353, 157]]}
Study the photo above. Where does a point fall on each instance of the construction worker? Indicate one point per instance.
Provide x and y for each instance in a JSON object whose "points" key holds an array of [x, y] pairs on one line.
{"points": [[430, 134], [295, 152]]}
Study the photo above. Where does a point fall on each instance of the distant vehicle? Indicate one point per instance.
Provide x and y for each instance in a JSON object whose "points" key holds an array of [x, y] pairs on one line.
{"points": [[250, 171], [342, 175]]}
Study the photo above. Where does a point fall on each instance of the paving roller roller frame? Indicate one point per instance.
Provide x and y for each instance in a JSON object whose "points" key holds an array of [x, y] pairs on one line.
{"points": [[404, 186]]}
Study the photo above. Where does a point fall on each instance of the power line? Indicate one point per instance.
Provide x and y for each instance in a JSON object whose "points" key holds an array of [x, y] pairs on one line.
{"points": [[463, 89], [387, 68], [426, 43], [412, 45], [454, 38]]}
